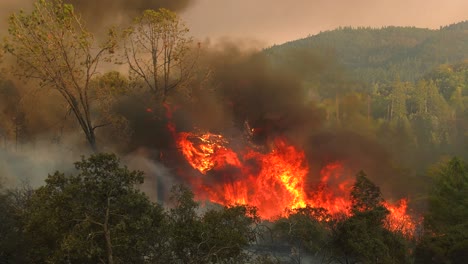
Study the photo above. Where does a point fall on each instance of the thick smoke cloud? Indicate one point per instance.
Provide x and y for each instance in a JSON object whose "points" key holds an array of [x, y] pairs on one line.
{"points": [[106, 6], [246, 91], [111, 12], [241, 94], [250, 101], [99, 14]]}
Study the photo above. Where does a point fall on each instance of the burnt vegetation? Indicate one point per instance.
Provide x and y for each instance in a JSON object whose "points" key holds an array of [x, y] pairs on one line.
{"points": [[228, 155]]}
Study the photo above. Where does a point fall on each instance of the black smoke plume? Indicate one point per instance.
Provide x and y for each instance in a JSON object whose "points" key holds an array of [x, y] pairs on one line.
{"points": [[250, 101]]}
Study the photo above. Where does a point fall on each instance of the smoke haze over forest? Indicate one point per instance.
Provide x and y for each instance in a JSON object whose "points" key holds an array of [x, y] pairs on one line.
{"points": [[256, 91], [276, 22], [348, 143], [273, 22]]}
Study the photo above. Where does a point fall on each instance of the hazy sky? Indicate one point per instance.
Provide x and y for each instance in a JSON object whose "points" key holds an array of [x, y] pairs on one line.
{"points": [[278, 21]]}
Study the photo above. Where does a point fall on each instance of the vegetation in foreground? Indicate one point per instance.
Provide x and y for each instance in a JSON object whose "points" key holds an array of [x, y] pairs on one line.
{"points": [[98, 215]]}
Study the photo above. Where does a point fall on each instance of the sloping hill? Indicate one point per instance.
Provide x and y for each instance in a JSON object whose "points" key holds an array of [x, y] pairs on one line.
{"points": [[380, 55]]}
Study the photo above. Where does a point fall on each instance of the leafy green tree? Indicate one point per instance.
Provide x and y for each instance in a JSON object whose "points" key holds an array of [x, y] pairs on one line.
{"points": [[13, 245], [94, 216], [156, 49], [398, 98], [185, 225], [419, 98], [52, 46], [447, 79], [110, 89], [10, 236], [366, 197], [362, 237], [217, 236], [446, 228], [228, 232], [304, 229]]}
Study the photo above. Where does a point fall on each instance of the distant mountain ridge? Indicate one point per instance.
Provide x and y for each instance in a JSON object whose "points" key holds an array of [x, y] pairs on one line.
{"points": [[383, 54]]}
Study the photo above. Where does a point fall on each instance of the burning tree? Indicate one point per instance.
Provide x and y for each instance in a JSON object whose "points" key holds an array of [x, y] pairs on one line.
{"points": [[276, 180]]}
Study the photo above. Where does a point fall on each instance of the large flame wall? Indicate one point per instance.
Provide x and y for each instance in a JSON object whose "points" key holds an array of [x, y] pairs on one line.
{"points": [[273, 180]]}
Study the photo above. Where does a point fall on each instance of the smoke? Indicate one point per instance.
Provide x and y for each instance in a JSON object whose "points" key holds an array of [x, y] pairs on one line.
{"points": [[31, 163], [158, 178], [237, 91], [246, 90], [250, 100], [99, 14], [356, 152], [108, 6]]}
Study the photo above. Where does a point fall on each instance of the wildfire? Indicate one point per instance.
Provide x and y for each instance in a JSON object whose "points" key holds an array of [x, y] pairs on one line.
{"points": [[206, 152], [398, 219], [272, 181]]}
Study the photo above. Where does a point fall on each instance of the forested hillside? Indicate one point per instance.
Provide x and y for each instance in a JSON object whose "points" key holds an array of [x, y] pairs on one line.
{"points": [[382, 54], [405, 86]]}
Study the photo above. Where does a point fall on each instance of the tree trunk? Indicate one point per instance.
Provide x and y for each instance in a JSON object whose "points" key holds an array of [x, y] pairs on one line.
{"points": [[84, 122], [110, 257], [391, 110], [368, 107], [92, 141], [337, 108]]}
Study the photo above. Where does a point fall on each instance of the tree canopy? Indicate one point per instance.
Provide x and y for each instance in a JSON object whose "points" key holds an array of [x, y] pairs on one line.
{"points": [[156, 49], [52, 46]]}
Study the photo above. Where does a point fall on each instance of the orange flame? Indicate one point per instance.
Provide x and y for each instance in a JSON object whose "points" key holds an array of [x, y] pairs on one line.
{"points": [[208, 154], [273, 181], [398, 219]]}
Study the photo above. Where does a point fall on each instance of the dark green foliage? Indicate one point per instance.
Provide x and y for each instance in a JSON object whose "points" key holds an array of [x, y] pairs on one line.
{"points": [[228, 232], [362, 237], [99, 216], [11, 243], [406, 87], [366, 196], [304, 229], [446, 227], [95, 215], [380, 55], [185, 225], [448, 204], [216, 236]]}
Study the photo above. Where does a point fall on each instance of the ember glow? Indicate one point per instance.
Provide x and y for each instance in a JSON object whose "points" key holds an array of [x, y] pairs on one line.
{"points": [[272, 180]]}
